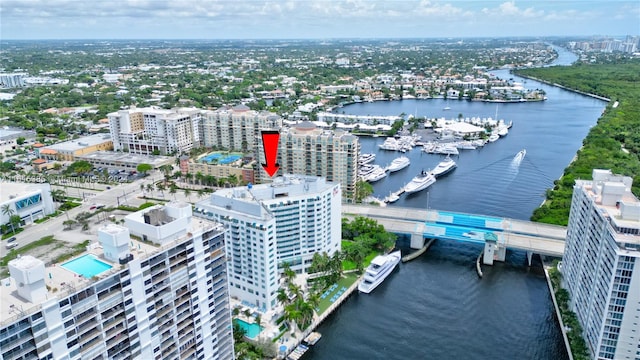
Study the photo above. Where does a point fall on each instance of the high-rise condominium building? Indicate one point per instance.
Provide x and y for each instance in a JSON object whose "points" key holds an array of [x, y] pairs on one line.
{"points": [[601, 265], [152, 130], [286, 221], [162, 298], [307, 150], [236, 128]]}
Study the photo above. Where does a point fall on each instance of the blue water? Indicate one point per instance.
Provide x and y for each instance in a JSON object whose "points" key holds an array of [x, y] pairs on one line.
{"points": [[436, 307], [87, 266], [222, 160], [229, 159], [209, 158], [251, 330]]}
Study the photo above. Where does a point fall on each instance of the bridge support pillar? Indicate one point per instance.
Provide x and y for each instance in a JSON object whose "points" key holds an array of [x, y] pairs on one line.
{"points": [[417, 241], [529, 256], [490, 247], [501, 253]]}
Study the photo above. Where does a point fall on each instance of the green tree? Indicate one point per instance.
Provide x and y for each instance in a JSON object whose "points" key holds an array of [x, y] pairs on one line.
{"points": [[21, 140], [144, 168], [363, 190], [79, 167], [15, 221], [8, 211]]}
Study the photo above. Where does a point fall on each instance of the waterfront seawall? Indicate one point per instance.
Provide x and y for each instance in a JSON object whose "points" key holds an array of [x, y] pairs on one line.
{"points": [[322, 317], [557, 309], [565, 88]]}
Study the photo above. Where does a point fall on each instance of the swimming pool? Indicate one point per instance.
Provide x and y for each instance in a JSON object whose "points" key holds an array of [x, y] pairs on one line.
{"points": [[251, 330], [229, 159], [220, 158], [87, 266]]}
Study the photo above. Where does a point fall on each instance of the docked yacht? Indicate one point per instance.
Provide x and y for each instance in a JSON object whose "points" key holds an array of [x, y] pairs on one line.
{"points": [[365, 170], [364, 159], [444, 167], [390, 143], [392, 198], [399, 164], [381, 266], [493, 137], [420, 182], [378, 173]]}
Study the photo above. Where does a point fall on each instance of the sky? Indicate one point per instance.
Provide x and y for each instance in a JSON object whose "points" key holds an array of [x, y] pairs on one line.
{"points": [[312, 19]]}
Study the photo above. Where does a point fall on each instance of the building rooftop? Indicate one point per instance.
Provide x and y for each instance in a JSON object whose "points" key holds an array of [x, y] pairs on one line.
{"points": [[127, 158], [80, 143], [613, 197], [10, 190], [62, 282]]}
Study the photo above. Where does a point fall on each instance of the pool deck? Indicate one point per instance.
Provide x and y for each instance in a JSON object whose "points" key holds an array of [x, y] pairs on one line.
{"points": [[60, 281]]}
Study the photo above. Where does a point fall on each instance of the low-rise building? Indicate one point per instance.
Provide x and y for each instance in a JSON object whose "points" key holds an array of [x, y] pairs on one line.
{"points": [[30, 201], [126, 161], [70, 150]]}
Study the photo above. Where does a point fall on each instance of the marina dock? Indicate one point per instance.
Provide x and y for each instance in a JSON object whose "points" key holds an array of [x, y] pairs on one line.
{"points": [[394, 194], [308, 336]]}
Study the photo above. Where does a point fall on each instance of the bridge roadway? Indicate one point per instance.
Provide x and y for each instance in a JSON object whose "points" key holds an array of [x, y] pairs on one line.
{"points": [[530, 236]]}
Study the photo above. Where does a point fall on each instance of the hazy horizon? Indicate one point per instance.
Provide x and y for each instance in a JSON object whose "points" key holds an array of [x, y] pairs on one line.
{"points": [[312, 20]]}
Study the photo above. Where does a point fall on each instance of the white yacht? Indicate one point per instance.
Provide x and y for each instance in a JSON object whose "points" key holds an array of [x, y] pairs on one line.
{"points": [[447, 149], [420, 182], [366, 158], [378, 173], [444, 167], [365, 170], [520, 156], [390, 143], [493, 137], [399, 164], [392, 198], [381, 266]]}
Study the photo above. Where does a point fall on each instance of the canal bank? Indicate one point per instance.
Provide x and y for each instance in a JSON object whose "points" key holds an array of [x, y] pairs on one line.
{"points": [[437, 299]]}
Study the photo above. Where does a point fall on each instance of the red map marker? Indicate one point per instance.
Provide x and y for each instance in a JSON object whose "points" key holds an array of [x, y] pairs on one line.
{"points": [[270, 139]]}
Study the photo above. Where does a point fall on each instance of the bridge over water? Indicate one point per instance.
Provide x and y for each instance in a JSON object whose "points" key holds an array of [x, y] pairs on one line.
{"points": [[496, 234]]}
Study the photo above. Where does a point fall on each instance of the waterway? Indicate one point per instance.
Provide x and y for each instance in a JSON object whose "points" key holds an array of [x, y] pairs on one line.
{"points": [[436, 307]]}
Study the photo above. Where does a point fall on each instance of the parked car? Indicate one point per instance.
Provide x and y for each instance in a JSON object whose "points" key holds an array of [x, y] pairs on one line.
{"points": [[12, 239]]}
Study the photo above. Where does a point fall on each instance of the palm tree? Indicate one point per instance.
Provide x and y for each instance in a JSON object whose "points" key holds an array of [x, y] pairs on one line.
{"points": [[200, 193], [173, 190], [150, 187], [142, 188], [161, 188], [187, 193], [7, 210], [189, 177], [58, 195], [199, 177], [15, 220]]}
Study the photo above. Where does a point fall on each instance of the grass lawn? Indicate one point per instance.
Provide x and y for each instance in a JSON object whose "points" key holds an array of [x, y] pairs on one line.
{"points": [[345, 282], [350, 265]]}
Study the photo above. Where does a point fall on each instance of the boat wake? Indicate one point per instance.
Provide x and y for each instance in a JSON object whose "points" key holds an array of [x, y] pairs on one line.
{"points": [[517, 160], [514, 167]]}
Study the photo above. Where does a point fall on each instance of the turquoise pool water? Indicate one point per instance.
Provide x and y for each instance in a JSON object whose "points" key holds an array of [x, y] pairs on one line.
{"points": [[87, 266], [221, 158], [251, 330]]}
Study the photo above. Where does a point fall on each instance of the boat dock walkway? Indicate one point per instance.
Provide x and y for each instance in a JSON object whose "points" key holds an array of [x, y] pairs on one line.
{"points": [[397, 193], [321, 317]]}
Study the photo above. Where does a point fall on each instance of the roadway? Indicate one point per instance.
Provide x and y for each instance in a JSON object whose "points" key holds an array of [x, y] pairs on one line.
{"points": [[121, 194], [517, 234]]}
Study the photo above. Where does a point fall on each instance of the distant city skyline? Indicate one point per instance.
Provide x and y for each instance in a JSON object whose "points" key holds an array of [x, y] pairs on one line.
{"points": [[311, 19]]}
